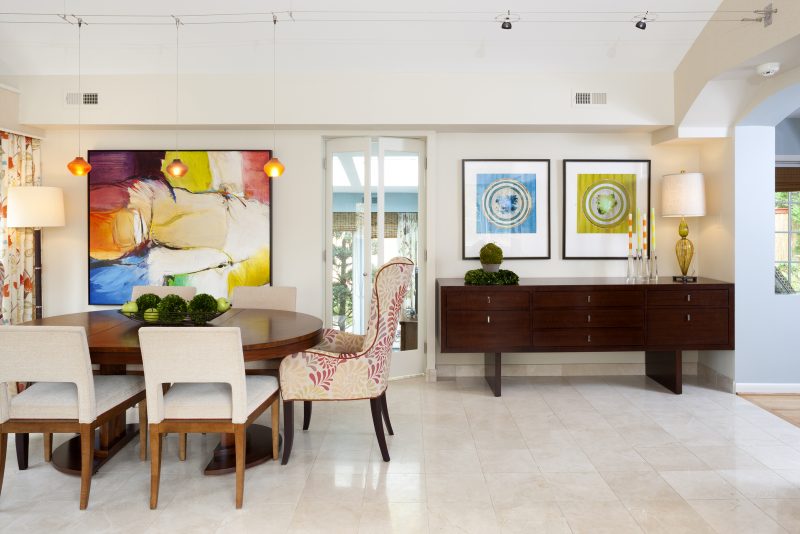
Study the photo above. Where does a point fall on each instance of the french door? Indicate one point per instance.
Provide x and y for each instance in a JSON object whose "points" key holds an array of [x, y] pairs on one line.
{"points": [[375, 199]]}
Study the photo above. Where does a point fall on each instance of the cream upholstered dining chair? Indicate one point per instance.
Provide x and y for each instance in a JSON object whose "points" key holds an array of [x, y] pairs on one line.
{"points": [[184, 292], [65, 397], [265, 297], [347, 366], [209, 392]]}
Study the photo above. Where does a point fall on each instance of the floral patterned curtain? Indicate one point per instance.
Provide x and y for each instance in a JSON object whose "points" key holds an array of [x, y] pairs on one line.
{"points": [[20, 165]]}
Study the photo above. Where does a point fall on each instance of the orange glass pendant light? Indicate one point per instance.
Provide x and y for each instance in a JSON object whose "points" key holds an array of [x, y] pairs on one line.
{"points": [[274, 167], [79, 166], [177, 168]]}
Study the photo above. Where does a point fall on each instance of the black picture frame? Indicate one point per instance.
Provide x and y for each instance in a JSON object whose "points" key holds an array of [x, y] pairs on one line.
{"points": [[565, 200], [545, 218]]}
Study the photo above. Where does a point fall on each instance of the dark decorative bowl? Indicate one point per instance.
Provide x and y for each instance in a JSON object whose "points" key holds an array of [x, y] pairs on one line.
{"points": [[195, 319]]}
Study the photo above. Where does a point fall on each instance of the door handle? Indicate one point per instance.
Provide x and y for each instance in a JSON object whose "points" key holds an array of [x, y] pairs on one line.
{"points": [[488, 319], [688, 317], [589, 318], [689, 298], [488, 299], [588, 298], [589, 338]]}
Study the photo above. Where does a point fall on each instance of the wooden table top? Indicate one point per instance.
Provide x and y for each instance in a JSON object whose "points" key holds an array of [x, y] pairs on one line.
{"points": [[266, 334]]}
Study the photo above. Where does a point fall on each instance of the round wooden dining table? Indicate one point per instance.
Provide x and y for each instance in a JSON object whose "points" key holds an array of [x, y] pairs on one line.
{"points": [[114, 343]]}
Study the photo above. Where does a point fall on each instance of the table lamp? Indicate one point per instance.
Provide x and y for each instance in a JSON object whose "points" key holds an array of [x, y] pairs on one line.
{"points": [[36, 208], [683, 195]]}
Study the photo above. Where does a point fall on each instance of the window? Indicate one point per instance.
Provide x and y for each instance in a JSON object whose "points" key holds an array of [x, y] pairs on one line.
{"points": [[787, 229]]}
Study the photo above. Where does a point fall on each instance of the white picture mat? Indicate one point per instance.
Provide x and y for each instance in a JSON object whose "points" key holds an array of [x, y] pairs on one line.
{"points": [[514, 245], [600, 245]]}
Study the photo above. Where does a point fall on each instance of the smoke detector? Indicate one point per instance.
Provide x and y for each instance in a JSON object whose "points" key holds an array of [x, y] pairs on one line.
{"points": [[767, 70]]}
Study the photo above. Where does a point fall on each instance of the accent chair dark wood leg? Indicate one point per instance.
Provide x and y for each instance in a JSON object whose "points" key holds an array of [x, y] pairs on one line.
{"points": [[377, 422], [288, 430], [3, 443], [306, 414], [666, 368], [385, 412]]}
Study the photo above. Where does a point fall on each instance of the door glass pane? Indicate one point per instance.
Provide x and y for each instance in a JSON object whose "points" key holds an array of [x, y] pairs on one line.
{"points": [[401, 233], [347, 242]]}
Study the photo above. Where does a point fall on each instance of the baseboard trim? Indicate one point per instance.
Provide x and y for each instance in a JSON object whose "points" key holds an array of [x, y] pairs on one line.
{"points": [[767, 388], [403, 377]]}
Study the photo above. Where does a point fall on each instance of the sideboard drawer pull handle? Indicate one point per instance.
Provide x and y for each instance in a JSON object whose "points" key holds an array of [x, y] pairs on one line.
{"points": [[588, 298], [488, 319], [688, 317], [589, 318], [689, 298], [589, 338]]}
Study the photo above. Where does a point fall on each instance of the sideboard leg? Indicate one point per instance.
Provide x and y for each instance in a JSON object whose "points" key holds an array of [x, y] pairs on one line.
{"points": [[492, 371], [666, 368]]}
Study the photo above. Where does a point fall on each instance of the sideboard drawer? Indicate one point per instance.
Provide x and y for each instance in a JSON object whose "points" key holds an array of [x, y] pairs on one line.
{"points": [[483, 299], [687, 327], [476, 331], [687, 297], [589, 318], [589, 298], [589, 337]]}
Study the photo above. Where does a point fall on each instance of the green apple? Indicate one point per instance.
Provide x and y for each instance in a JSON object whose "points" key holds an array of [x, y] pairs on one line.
{"points": [[223, 304], [151, 315], [130, 307]]}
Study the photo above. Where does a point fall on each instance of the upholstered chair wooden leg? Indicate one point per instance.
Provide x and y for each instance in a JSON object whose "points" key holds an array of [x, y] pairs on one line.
{"points": [[240, 444], [276, 431], [385, 411], [306, 414], [3, 447], [288, 430], [87, 462], [143, 430], [375, 405], [21, 444], [48, 446], [182, 446], [155, 465]]}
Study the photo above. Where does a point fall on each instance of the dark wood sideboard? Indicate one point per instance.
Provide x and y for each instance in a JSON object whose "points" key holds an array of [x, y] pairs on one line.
{"points": [[661, 318]]}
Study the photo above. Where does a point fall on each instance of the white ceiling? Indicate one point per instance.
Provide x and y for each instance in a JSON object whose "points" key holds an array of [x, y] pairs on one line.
{"points": [[408, 36]]}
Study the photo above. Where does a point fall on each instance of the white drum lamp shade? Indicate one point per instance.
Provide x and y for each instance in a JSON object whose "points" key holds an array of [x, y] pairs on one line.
{"points": [[683, 195], [35, 207]]}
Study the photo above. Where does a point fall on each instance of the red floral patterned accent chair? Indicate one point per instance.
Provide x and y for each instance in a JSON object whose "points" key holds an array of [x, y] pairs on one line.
{"points": [[348, 366]]}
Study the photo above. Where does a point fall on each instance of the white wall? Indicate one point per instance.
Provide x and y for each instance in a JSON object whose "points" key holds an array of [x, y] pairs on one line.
{"points": [[787, 137], [453, 147]]}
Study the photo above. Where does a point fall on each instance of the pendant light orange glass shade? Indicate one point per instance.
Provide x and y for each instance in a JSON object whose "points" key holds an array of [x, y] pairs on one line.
{"points": [[177, 168], [79, 167], [274, 168]]}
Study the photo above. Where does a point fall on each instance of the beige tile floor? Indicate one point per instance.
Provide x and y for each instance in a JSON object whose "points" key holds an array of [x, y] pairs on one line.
{"points": [[595, 454]]}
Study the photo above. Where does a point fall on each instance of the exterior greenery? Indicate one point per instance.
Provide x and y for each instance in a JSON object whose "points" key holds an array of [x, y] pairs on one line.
{"points": [[491, 254], [503, 277], [342, 279], [147, 301]]}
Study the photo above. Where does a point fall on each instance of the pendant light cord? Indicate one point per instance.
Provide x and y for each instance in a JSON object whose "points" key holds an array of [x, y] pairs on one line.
{"points": [[274, 81], [177, 78], [80, 94]]}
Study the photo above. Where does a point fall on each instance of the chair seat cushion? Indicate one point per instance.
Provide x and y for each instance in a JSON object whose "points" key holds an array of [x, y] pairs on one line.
{"points": [[213, 401], [59, 400]]}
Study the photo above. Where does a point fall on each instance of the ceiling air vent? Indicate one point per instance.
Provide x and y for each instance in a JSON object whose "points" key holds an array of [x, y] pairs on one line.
{"points": [[89, 99], [586, 98]]}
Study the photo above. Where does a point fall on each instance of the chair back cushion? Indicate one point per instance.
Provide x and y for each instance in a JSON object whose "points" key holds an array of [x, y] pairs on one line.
{"points": [[47, 354], [192, 355], [184, 292], [265, 297]]}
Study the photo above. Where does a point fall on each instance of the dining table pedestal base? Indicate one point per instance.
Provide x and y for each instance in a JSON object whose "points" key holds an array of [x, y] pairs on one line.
{"points": [[257, 451], [67, 456]]}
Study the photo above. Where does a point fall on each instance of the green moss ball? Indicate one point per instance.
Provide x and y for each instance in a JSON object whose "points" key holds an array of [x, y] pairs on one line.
{"points": [[172, 309], [147, 301]]}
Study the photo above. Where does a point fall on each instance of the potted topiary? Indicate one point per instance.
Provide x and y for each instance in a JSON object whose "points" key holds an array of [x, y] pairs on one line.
{"points": [[491, 257]]}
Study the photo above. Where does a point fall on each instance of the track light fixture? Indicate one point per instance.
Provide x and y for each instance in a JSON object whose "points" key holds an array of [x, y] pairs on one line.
{"points": [[642, 20], [505, 19]]}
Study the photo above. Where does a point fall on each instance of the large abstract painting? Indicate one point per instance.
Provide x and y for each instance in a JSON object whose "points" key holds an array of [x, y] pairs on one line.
{"points": [[598, 196], [506, 202], [210, 228]]}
